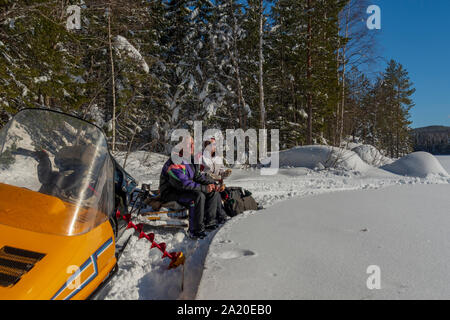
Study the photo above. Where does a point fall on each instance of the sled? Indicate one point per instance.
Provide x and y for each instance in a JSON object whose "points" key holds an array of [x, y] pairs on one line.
{"points": [[60, 189], [169, 216]]}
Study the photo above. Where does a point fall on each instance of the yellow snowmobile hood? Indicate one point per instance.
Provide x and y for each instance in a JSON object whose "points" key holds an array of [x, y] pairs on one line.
{"points": [[39, 265]]}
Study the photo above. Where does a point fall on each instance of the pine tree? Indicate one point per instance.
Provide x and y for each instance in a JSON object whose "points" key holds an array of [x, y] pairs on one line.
{"points": [[39, 61], [285, 74], [304, 42], [397, 90]]}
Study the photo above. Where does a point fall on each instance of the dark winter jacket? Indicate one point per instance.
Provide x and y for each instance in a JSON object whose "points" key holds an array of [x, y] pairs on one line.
{"points": [[182, 177]]}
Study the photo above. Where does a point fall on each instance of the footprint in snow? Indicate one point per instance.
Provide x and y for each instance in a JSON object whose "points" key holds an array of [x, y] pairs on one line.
{"points": [[234, 254], [225, 241]]}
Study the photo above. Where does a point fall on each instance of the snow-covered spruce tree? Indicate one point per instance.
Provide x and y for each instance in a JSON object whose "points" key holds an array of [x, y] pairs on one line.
{"points": [[39, 59], [228, 38], [121, 52], [140, 92], [189, 56]]}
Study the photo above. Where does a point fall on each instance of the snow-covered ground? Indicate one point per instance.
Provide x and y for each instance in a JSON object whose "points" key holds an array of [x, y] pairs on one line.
{"points": [[445, 162], [144, 275], [321, 247]]}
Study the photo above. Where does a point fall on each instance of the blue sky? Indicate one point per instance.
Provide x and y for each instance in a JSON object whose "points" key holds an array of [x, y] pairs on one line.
{"points": [[416, 33]]}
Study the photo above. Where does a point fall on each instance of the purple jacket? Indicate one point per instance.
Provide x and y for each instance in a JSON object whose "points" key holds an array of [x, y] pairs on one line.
{"points": [[182, 177]]}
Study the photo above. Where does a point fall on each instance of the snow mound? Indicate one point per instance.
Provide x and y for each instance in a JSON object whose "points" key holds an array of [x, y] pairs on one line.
{"points": [[351, 142], [350, 145], [322, 157], [371, 155], [417, 164]]}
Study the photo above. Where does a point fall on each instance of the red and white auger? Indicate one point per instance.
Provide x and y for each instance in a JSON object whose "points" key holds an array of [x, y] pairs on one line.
{"points": [[176, 258]]}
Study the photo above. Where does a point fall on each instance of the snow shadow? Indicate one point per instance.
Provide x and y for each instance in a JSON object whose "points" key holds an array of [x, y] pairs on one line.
{"points": [[164, 284]]}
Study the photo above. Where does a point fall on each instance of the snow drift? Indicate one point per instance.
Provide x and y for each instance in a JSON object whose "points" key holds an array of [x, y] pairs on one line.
{"points": [[321, 157], [371, 155], [445, 162], [417, 164]]}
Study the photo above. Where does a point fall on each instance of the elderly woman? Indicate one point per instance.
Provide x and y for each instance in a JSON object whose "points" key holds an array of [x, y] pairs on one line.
{"points": [[212, 164]]}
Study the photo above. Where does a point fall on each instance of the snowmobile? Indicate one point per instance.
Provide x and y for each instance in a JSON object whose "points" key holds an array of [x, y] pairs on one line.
{"points": [[60, 192]]}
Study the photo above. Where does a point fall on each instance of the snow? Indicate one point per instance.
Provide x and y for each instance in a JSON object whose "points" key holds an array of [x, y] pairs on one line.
{"points": [[41, 79], [417, 164], [25, 176], [122, 44], [145, 167], [329, 157], [371, 155], [97, 115], [321, 247], [303, 113], [316, 247], [144, 275], [445, 162]]}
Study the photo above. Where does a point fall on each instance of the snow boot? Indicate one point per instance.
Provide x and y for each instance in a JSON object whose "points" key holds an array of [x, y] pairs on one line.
{"points": [[222, 220], [195, 235], [212, 227]]}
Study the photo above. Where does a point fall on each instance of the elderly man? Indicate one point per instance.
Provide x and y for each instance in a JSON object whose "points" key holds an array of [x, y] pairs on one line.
{"points": [[185, 184]]}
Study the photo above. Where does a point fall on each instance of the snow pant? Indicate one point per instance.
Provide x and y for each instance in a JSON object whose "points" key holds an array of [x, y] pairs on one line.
{"points": [[221, 214], [202, 207]]}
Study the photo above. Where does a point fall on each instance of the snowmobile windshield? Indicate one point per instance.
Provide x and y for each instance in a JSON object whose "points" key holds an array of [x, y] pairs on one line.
{"points": [[56, 174]]}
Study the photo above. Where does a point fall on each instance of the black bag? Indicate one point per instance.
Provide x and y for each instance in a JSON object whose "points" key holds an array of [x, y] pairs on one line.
{"points": [[238, 200]]}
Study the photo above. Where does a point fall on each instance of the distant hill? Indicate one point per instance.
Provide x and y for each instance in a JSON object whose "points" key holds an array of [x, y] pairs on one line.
{"points": [[432, 139]]}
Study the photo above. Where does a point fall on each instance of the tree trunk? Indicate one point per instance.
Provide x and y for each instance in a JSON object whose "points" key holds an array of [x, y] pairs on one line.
{"points": [[341, 124], [397, 124], [234, 60], [336, 131], [113, 81], [309, 101], [261, 61]]}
